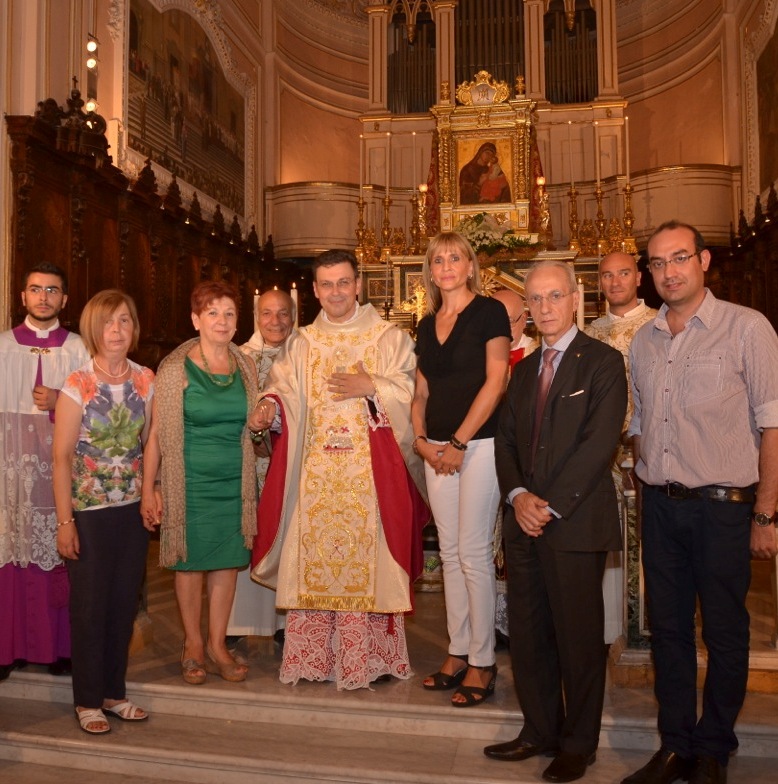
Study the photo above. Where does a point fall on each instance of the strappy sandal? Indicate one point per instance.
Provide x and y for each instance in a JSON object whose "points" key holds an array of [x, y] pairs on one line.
{"points": [[127, 711], [475, 695], [442, 681], [192, 671], [88, 716], [231, 671]]}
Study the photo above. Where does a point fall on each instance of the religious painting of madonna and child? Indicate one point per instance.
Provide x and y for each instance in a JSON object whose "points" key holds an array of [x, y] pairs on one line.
{"points": [[182, 111], [485, 171]]}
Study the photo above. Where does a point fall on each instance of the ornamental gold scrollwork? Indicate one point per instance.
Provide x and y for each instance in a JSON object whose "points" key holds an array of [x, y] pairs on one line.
{"points": [[483, 90]]}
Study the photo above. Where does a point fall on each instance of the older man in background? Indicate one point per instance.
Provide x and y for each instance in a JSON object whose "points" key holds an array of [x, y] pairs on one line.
{"points": [[521, 346], [254, 609], [619, 281]]}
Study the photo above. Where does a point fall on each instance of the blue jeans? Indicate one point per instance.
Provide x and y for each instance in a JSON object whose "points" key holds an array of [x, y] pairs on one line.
{"points": [[697, 548]]}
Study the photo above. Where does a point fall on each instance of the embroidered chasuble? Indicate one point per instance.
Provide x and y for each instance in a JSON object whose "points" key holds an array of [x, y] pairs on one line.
{"points": [[332, 549]]}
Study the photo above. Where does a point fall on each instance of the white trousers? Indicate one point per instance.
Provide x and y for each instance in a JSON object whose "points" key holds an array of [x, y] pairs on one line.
{"points": [[464, 507]]}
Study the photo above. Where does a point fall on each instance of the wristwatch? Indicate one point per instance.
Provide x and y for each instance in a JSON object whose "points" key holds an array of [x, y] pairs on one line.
{"points": [[762, 519]]}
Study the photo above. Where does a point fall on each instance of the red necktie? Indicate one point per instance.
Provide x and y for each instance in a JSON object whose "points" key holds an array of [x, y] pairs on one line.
{"points": [[544, 384]]}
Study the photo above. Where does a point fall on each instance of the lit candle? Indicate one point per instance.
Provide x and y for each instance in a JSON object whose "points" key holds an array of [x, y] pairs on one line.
{"points": [[293, 294], [597, 150], [570, 148], [626, 144], [388, 160], [580, 312], [413, 162], [256, 309], [361, 163]]}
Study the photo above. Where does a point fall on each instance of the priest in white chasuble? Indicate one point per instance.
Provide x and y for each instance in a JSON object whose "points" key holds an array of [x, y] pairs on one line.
{"points": [[341, 513]]}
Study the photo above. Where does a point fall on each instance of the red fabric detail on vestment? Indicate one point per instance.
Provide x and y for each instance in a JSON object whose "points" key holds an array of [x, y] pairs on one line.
{"points": [[403, 510], [516, 355], [271, 502]]}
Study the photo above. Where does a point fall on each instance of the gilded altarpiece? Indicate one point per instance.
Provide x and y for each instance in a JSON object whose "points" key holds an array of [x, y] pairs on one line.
{"points": [[484, 153]]}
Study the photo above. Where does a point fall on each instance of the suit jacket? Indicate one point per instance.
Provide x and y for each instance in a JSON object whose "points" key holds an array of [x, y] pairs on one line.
{"points": [[578, 437]]}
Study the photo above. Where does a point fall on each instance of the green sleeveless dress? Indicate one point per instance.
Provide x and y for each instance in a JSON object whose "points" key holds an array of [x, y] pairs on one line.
{"points": [[214, 418]]}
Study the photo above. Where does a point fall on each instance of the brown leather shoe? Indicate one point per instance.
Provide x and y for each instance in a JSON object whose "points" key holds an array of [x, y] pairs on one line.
{"points": [[568, 767], [664, 767], [709, 770], [517, 750]]}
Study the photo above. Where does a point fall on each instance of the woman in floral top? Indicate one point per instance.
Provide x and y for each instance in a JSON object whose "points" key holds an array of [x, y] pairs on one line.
{"points": [[102, 419]]}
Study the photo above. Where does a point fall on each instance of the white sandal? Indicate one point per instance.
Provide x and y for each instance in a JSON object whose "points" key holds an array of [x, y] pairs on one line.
{"points": [[127, 711], [89, 716]]}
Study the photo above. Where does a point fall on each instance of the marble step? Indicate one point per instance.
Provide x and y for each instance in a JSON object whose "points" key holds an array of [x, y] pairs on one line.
{"points": [[397, 708], [38, 737]]}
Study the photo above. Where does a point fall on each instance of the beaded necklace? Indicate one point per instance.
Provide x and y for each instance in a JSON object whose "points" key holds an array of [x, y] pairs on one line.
{"points": [[231, 375]]}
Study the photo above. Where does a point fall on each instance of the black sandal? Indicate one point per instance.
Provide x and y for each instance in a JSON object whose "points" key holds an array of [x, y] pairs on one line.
{"points": [[475, 695], [442, 681]]}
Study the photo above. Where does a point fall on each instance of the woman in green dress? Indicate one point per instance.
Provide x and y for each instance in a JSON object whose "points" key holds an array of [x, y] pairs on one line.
{"points": [[199, 480]]}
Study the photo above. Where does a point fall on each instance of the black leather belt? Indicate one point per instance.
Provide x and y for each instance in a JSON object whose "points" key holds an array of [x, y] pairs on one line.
{"points": [[733, 495]]}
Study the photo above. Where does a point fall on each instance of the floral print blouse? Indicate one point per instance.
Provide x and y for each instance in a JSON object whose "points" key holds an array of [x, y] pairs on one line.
{"points": [[108, 460]]}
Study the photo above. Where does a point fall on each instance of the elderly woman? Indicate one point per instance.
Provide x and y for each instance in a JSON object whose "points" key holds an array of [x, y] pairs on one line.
{"points": [[102, 420], [205, 495], [462, 345]]}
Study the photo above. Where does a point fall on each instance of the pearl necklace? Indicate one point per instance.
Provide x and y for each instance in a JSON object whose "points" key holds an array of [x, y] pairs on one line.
{"points": [[111, 375], [232, 364]]}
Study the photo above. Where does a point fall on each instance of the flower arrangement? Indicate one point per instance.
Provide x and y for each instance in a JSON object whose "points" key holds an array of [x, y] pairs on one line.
{"points": [[488, 236]]}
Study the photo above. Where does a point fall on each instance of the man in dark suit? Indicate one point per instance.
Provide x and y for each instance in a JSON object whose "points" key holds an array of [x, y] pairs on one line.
{"points": [[558, 431]]}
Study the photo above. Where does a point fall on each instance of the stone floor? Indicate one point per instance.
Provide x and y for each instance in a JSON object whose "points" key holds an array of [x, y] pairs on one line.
{"points": [[263, 731]]}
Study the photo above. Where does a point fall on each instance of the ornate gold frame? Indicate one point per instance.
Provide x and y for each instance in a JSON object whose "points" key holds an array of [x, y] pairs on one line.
{"points": [[485, 112]]}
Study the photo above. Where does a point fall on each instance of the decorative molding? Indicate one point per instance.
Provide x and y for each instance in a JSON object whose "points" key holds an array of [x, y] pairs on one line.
{"points": [[116, 15], [753, 46], [351, 11]]}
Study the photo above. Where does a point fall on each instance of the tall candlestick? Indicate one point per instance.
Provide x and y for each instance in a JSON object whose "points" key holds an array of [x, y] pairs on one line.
{"points": [[256, 309], [293, 294], [361, 163], [388, 160], [570, 148], [626, 145], [580, 312], [413, 162], [597, 150]]}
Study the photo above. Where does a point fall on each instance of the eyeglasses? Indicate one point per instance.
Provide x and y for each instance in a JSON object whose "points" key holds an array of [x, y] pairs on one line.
{"points": [[329, 285], [35, 290], [657, 265], [554, 298], [518, 318]]}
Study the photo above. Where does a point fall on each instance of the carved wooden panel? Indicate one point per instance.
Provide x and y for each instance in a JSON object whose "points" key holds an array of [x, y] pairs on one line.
{"points": [[73, 208]]}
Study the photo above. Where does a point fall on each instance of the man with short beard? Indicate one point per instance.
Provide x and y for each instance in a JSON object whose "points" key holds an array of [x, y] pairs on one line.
{"points": [[37, 357]]}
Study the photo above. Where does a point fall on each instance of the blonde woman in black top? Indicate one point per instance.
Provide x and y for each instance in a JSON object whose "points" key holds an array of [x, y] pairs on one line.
{"points": [[463, 345]]}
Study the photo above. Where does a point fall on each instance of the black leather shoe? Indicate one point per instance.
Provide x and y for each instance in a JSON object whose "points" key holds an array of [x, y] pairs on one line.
{"points": [[663, 768], [517, 750], [568, 767], [62, 666], [708, 770]]}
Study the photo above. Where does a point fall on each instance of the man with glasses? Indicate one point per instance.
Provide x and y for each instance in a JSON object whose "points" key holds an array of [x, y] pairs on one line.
{"points": [[340, 517], [705, 426], [37, 356], [559, 427]]}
